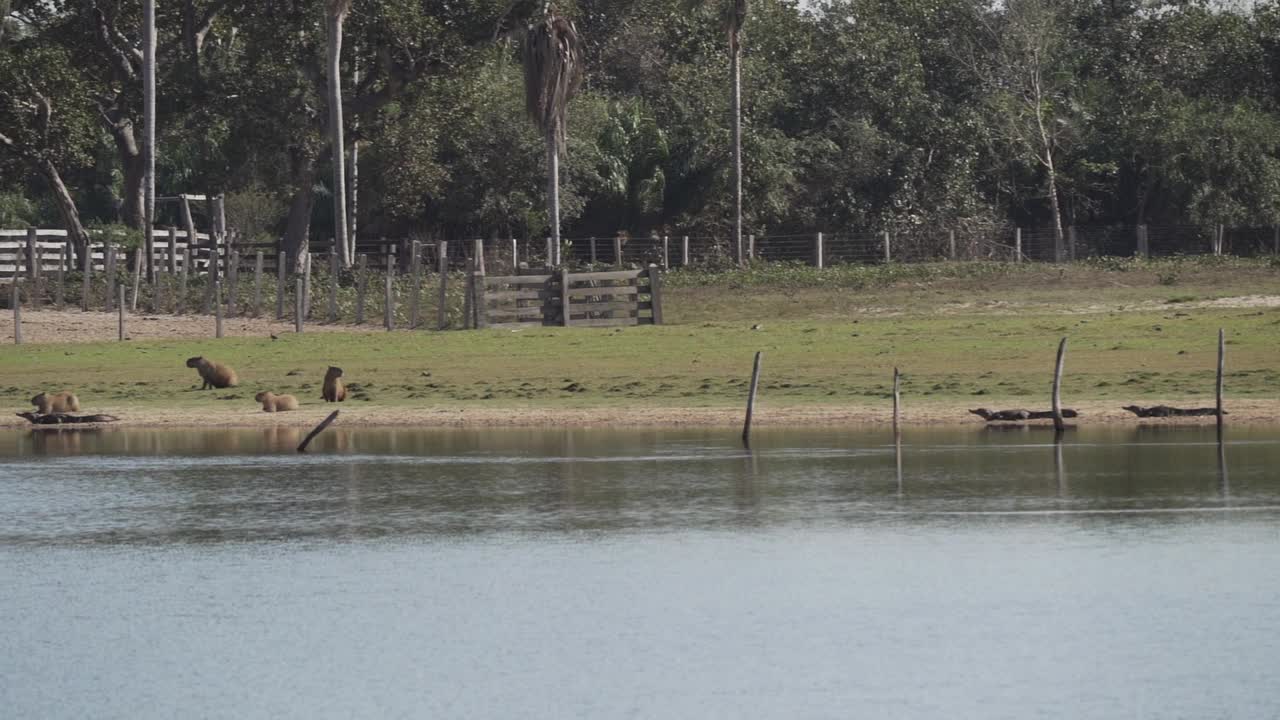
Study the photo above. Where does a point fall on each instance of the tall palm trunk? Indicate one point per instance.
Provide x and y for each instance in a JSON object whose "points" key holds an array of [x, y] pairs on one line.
{"points": [[149, 130], [736, 63], [336, 17], [553, 193]]}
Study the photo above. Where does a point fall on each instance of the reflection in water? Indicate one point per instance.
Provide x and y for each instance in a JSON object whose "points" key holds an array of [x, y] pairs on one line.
{"points": [[1224, 483], [897, 458], [1059, 469]]}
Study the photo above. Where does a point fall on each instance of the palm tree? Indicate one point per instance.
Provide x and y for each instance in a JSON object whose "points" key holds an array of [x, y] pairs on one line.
{"points": [[552, 58], [735, 17], [335, 17]]}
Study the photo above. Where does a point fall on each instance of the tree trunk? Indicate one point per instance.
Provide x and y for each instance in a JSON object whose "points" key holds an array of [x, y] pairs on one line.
{"points": [[736, 63], [339, 148], [298, 231], [76, 234], [133, 194], [149, 130], [1054, 206], [553, 192]]}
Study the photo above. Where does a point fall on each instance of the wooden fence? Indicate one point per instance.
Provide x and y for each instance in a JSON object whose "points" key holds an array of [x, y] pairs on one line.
{"points": [[592, 299]]}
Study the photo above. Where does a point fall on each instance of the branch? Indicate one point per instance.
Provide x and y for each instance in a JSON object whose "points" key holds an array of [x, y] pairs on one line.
{"points": [[119, 58]]}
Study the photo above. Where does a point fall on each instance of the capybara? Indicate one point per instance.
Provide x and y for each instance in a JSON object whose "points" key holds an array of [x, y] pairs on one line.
{"points": [[333, 390], [214, 374], [63, 402], [272, 402]]}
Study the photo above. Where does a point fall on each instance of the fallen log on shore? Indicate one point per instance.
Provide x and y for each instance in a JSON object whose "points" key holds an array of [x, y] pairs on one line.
{"points": [[64, 418], [1164, 411], [1020, 414]]}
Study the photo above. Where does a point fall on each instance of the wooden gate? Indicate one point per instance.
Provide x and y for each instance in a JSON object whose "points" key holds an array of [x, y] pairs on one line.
{"points": [[597, 299]]}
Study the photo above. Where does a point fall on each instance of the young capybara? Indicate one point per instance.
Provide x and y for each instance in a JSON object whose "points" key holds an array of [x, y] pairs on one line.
{"points": [[213, 374], [63, 402], [333, 390], [272, 402]]}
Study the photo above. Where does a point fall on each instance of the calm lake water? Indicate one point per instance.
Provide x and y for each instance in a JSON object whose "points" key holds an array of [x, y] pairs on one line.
{"points": [[1129, 573]]}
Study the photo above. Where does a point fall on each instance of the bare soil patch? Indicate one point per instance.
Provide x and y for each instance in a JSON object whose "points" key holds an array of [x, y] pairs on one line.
{"points": [[58, 326]]}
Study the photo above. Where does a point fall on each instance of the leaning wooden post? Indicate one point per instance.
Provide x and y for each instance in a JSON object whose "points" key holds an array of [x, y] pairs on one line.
{"points": [[1057, 387], [59, 290], [217, 308], [333, 284], [16, 302], [297, 305], [362, 285], [281, 259], [318, 429], [684, 251], [1222, 355], [137, 279], [415, 267], [751, 401], [897, 399], [120, 318], [189, 223], [388, 309], [86, 274], [257, 285], [442, 308], [887, 256]]}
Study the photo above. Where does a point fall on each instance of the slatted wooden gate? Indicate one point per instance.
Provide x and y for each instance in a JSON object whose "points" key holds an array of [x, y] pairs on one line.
{"points": [[597, 299]]}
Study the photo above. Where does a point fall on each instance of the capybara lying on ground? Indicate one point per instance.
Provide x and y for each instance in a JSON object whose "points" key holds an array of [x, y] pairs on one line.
{"points": [[333, 390], [272, 402], [63, 402], [213, 374]]}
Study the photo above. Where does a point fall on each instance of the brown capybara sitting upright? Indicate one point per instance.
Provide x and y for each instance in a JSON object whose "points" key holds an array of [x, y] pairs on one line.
{"points": [[63, 402], [272, 402], [214, 374], [333, 390]]}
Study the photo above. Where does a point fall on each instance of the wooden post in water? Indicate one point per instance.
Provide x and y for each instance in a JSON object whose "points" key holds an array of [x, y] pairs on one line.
{"points": [[1058, 425], [751, 401], [217, 308], [1222, 360], [137, 279], [318, 429], [362, 284], [297, 305], [281, 259], [86, 274], [442, 309], [388, 309], [16, 302], [333, 285], [897, 400], [120, 319], [257, 284]]}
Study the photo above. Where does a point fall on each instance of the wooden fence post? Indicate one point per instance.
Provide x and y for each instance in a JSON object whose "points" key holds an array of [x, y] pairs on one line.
{"points": [[565, 310], [120, 319], [16, 302], [137, 279], [888, 257], [1222, 363], [217, 308], [86, 274], [389, 318], [149, 249], [257, 284], [298, 313], [180, 305], [551, 262], [59, 290], [442, 309], [655, 294], [951, 241], [594, 258], [37, 272], [1017, 245], [468, 293], [1058, 425], [415, 267], [362, 285], [617, 251], [33, 266], [188, 222], [751, 400], [684, 251], [333, 284], [110, 261], [478, 301], [751, 246], [281, 261], [173, 251], [817, 251], [666, 253], [233, 283]]}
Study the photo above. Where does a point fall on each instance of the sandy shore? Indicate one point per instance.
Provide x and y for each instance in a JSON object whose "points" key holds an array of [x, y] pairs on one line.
{"points": [[1240, 412]]}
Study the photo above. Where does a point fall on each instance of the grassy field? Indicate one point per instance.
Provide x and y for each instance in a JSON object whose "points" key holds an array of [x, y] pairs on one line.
{"points": [[962, 334]]}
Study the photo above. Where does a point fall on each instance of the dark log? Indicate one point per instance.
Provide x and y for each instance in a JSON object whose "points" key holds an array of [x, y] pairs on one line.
{"points": [[1159, 411], [63, 418], [1020, 414], [318, 429]]}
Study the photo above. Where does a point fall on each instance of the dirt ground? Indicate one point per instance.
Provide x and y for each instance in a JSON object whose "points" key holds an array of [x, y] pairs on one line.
{"points": [[52, 326]]}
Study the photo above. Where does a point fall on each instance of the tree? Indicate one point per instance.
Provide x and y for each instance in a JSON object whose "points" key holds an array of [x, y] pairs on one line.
{"points": [[552, 59], [336, 15]]}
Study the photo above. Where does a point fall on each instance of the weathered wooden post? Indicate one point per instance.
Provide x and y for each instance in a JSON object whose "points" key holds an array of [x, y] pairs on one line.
{"points": [[281, 258], [951, 243], [37, 272], [389, 310], [1222, 355], [33, 268], [684, 251], [1017, 245], [887, 256], [897, 399], [86, 274], [565, 307], [442, 307], [1058, 425], [666, 253], [751, 246], [317, 430], [655, 294], [362, 286], [16, 302], [173, 251], [817, 251], [110, 262], [188, 222], [217, 308], [137, 279], [415, 267], [297, 305], [120, 317], [477, 288], [594, 258], [257, 284], [617, 251], [59, 290], [333, 284], [751, 401]]}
